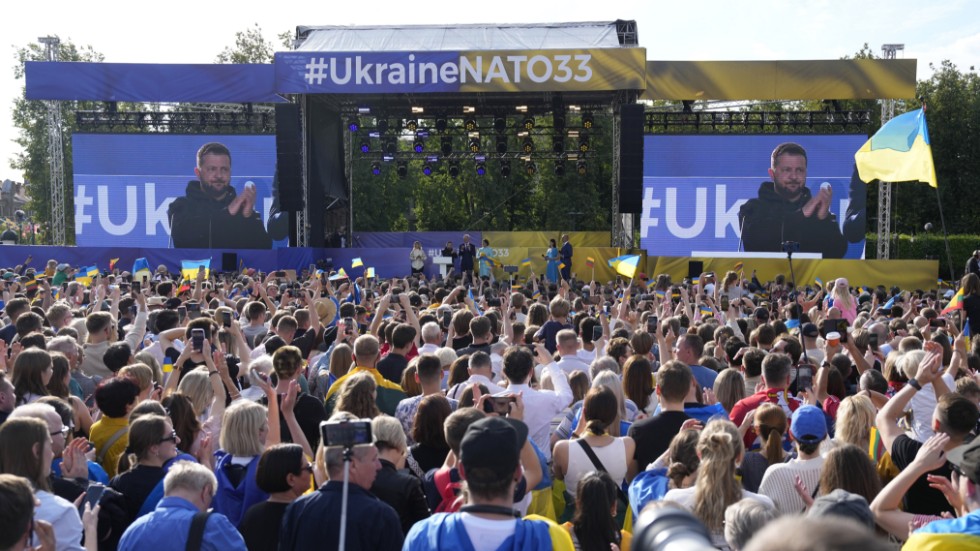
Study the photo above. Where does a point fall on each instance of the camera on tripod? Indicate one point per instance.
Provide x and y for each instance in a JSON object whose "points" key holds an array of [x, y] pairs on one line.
{"points": [[346, 433], [791, 246]]}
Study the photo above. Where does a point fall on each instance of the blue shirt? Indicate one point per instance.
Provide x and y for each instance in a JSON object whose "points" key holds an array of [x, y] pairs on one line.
{"points": [[704, 376], [313, 521], [167, 528], [968, 524]]}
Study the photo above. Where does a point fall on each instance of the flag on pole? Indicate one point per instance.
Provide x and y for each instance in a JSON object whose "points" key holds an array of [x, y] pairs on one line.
{"points": [[738, 266], [369, 273], [625, 265], [660, 294], [189, 268], [356, 263], [888, 305], [589, 262], [651, 283], [469, 293], [706, 310], [561, 265], [898, 152], [956, 303], [141, 264], [818, 281], [526, 262], [966, 331], [536, 294], [341, 274], [112, 263]]}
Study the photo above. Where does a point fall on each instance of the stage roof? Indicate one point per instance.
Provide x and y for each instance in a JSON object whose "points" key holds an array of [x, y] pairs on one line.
{"points": [[546, 36]]}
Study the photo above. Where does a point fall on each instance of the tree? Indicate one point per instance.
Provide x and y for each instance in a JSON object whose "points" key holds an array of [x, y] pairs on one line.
{"points": [[250, 47], [30, 118]]}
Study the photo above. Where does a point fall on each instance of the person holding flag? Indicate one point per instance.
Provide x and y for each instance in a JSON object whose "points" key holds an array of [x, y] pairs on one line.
{"points": [[968, 300], [551, 255], [486, 260]]}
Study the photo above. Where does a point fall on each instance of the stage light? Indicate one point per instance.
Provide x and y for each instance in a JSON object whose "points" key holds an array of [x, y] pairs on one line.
{"points": [[469, 109], [376, 168], [559, 168], [402, 169], [505, 169], [481, 169], [587, 121], [454, 169], [583, 144], [441, 125], [390, 147], [530, 168], [557, 144], [412, 124], [501, 144], [470, 125], [499, 124], [365, 146], [528, 145], [364, 110], [559, 121], [353, 124], [474, 145], [528, 123], [417, 110], [581, 167], [382, 125], [446, 145], [427, 169], [419, 145]]}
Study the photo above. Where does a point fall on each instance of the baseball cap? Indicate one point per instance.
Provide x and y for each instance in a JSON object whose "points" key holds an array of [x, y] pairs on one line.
{"points": [[845, 504], [62, 267], [761, 313], [809, 425], [967, 459], [493, 444], [810, 330]]}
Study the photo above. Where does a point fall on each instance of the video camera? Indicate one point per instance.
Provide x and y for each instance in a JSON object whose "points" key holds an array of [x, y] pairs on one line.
{"points": [[346, 433]]}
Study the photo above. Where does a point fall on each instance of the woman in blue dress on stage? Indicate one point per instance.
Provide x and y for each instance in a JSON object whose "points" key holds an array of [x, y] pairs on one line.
{"points": [[486, 263], [552, 257]]}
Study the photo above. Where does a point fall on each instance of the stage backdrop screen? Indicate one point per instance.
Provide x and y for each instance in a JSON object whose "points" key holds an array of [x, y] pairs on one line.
{"points": [[694, 187], [124, 185]]}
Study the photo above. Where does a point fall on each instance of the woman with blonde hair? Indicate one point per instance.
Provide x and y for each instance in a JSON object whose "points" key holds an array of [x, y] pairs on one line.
{"points": [[721, 449], [341, 360], [855, 418], [843, 300], [359, 396], [770, 423]]}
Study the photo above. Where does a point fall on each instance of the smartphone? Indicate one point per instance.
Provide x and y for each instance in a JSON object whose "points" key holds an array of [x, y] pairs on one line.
{"points": [[499, 404], [145, 279], [447, 318], [226, 319], [280, 273], [182, 313], [349, 326], [937, 322], [652, 325], [804, 378], [197, 339], [873, 340], [132, 311], [725, 304], [596, 332], [136, 287], [92, 495]]}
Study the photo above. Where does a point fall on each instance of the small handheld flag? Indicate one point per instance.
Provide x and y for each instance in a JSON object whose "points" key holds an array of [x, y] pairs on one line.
{"points": [[526, 261], [112, 263], [956, 303], [589, 262], [190, 268], [341, 274], [625, 265], [738, 266], [356, 262], [706, 311], [818, 281], [696, 280], [369, 273]]}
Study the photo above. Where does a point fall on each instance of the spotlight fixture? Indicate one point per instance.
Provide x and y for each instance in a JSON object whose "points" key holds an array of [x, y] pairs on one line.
{"points": [[446, 145], [474, 145], [528, 145], [583, 144], [581, 167], [559, 122], [470, 125], [481, 168], [412, 124], [441, 125], [365, 146], [528, 123], [454, 169], [557, 144], [390, 146], [427, 169], [376, 168], [419, 145], [559, 168], [505, 169], [353, 124], [530, 168], [587, 121], [501, 144], [402, 169], [499, 124], [382, 125]]}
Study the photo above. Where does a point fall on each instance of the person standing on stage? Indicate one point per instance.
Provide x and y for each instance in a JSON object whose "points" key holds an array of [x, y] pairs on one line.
{"points": [[450, 251], [973, 264], [467, 252], [486, 259], [566, 258], [417, 256], [552, 256]]}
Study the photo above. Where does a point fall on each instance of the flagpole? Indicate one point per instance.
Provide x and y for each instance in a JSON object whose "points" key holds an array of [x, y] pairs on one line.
{"points": [[942, 220]]}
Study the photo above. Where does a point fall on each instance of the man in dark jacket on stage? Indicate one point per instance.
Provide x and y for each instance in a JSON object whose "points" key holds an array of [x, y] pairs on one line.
{"points": [[785, 210], [212, 215]]}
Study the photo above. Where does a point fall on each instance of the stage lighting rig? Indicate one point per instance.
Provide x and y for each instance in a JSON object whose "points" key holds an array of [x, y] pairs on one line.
{"points": [[474, 145], [427, 169], [390, 146], [441, 125], [365, 146], [505, 169], [499, 124], [419, 145], [581, 167], [583, 144], [353, 124], [376, 168], [558, 144], [559, 168], [446, 145], [530, 168], [528, 145], [481, 168], [528, 123], [470, 125], [501, 144], [411, 124], [454, 169], [401, 169], [382, 126], [587, 121]]}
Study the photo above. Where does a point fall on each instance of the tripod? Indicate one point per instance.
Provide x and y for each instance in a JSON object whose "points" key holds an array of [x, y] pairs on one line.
{"points": [[348, 455]]}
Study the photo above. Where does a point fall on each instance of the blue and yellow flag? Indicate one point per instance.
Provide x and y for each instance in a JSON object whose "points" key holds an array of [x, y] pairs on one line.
{"points": [[356, 262], [369, 273], [898, 152], [341, 274], [189, 268], [92, 271], [625, 265], [526, 261], [818, 281]]}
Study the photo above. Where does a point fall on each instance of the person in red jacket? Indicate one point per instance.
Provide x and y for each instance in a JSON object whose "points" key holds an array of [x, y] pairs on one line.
{"points": [[775, 376]]}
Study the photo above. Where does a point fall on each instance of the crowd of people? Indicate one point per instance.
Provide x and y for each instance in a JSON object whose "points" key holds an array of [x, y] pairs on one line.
{"points": [[170, 413]]}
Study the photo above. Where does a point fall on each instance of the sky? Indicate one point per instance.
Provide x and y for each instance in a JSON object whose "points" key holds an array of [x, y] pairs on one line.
{"points": [[180, 31]]}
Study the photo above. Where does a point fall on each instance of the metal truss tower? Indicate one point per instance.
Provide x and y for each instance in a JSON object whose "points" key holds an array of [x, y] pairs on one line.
{"points": [[56, 155], [888, 51]]}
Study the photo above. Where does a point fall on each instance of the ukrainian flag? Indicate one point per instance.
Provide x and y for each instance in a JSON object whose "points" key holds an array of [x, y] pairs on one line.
{"points": [[369, 273], [898, 152], [526, 261], [189, 268], [625, 265], [356, 263], [92, 271]]}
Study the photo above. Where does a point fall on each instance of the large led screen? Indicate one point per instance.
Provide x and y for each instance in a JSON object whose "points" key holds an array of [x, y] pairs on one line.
{"points": [[131, 189], [711, 196]]}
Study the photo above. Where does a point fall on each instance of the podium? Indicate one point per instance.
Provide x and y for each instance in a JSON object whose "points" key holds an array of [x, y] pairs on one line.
{"points": [[444, 262]]}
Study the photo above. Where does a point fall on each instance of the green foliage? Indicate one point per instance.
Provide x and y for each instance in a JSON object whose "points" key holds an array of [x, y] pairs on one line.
{"points": [[929, 246], [250, 47]]}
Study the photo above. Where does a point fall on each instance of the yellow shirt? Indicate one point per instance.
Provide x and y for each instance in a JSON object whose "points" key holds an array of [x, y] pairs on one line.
{"points": [[102, 431]]}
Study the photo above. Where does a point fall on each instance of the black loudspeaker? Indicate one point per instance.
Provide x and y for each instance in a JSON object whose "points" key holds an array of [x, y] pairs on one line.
{"points": [[289, 158], [694, 269], [229, 262], [631, 159]]}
